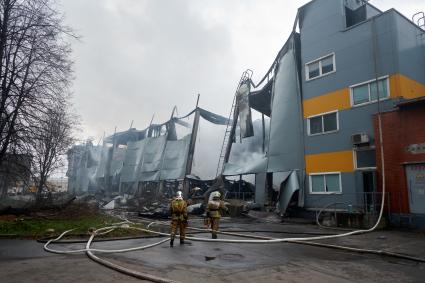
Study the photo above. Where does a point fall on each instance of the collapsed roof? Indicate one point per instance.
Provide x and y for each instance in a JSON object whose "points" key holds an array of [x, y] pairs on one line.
{"points": [[158, 152]]}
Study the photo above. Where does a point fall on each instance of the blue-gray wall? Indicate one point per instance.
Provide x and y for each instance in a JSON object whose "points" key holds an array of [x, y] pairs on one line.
{"points": [[400, 49]]}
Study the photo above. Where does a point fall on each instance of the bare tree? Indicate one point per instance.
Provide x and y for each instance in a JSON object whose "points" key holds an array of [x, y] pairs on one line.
{"points": [[51, 138], [35, 69], [16, 170]]}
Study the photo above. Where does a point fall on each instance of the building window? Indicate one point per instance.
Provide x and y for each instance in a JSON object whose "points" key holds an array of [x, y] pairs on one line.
{"points": [[365, 158], [368, 92], [323, 124], [325, 183], [355, 15], [320, 67]]}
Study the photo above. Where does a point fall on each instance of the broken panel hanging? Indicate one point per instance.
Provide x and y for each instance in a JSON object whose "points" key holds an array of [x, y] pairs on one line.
{"points": [[245, 119]]}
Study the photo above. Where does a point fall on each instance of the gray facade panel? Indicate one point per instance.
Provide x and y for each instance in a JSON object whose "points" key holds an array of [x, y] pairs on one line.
{"points": [[351, 194], [372, 11], [317, 33], [351, 121], [411, 49], [320, 14], [353, 50], [399, 49], [285, 149]]}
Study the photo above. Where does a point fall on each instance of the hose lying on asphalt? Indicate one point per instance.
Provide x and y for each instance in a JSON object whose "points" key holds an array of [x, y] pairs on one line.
{"points": [[224, 232], [124, 270], [258, 239], [326, 227], [83, 238], [99, 250], [352, 249], [140, 275]]}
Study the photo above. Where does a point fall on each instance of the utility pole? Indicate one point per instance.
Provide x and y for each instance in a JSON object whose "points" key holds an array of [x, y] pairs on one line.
{"points": [[191, 151]]}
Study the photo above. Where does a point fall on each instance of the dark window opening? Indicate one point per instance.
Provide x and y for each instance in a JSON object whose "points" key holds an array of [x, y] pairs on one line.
{"points": [[353, 17], [365, 158]]}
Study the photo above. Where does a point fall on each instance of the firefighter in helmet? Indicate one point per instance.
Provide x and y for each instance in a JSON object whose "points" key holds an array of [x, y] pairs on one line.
{"points": [[178, 209], [214, 208]]}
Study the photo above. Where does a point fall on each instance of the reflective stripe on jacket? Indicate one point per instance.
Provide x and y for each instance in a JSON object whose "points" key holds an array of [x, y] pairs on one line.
{"points": [[178, 209], [213, 208]]}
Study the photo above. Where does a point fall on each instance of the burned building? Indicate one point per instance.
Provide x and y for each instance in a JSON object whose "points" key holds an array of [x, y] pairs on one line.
{"points": [[345, 62], [146, 162]]}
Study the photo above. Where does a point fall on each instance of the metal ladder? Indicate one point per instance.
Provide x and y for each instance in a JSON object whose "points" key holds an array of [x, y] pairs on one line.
{"points": [[246, 76]]}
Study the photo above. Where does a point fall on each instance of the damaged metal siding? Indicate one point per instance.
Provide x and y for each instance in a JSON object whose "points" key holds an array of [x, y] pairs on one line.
{"points": [[130, 157], [245, 118]]}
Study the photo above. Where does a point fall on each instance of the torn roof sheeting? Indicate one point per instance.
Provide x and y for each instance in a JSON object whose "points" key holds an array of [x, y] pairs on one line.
{"points": [[132, 161], [212, 117], [152, 158], [247, 156], [255, 165], [126, 136], [174, 159], [134, 156], [105, 155], [289, 186], [245, 118], [136, 135], [117, 161], [284, 149], [260, 100], [285, 143]]}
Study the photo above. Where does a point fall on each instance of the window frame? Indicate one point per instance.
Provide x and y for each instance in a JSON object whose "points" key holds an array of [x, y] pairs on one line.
{"points": [[355, 150], [323, 125], [368, 83], [324, 174], [319, 60]]}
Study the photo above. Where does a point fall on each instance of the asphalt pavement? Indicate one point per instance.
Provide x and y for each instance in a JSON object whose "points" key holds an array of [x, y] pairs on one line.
{"points": [[25, 261]]}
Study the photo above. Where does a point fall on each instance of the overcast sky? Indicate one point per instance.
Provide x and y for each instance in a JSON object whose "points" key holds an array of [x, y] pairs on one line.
{"points": [[140, 57]]}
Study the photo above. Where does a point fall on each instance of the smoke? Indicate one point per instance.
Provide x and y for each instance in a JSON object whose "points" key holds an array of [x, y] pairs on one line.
{"points": [[89, 164], [249, 149], [208, 146]]}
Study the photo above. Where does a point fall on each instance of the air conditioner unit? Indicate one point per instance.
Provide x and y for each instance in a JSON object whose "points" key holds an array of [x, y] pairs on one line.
{"points": [[360, 138]]}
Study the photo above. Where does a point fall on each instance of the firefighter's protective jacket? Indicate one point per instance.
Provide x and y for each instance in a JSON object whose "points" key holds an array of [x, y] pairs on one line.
{"points": [[178, 209]]}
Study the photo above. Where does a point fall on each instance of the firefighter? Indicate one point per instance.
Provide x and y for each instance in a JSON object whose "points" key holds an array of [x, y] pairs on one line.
{"points": [[178, 209], [214, 207]]}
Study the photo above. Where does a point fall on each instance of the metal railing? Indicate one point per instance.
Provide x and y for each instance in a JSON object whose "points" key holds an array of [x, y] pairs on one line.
{"points": [[365, 202]]}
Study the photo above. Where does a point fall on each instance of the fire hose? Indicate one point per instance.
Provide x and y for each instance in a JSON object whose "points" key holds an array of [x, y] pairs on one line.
{"points": [[256, 239]]}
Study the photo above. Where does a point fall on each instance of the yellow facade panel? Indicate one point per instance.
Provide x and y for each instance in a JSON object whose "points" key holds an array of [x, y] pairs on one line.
{"points": [[337, 100], [403, 86], [400, 85], [340, 161]]}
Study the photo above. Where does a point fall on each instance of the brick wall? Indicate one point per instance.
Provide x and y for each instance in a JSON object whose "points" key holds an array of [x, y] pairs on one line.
{"points": [[400, 128]]}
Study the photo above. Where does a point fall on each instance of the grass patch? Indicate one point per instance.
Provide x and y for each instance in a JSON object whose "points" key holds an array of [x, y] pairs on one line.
{"points": [[37, 226], [34, 228]]}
